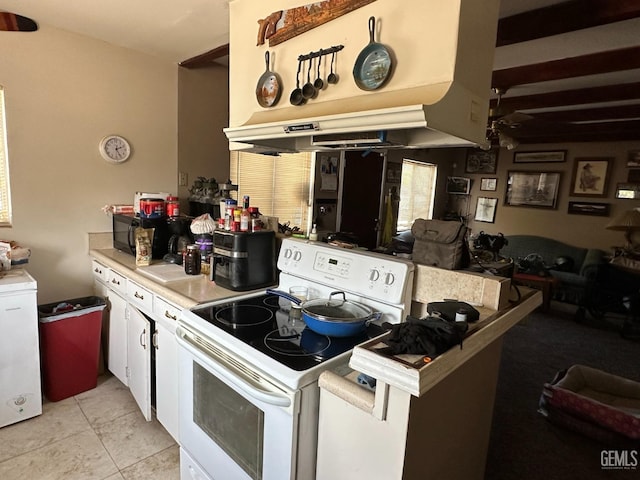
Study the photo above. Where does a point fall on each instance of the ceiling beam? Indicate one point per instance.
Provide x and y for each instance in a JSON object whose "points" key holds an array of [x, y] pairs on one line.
{"points": [[592, 64], [207, 58], [535, 131], [562, 18], [592, 114]]}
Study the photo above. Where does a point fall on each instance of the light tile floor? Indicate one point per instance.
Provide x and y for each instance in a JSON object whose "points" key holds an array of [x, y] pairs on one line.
{"points": [[99, 434]]}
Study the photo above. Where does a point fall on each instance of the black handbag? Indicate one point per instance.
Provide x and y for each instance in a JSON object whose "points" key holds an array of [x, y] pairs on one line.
{"points": [[448, 310]]}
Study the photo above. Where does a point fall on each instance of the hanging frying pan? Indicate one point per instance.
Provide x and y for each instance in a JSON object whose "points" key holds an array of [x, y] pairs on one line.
{"points": [[269, 86], [374, 63]]}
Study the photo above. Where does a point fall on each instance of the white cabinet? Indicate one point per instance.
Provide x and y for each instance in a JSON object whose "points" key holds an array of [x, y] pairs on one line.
{"points": [[139, 360], [117, 337], [166, 350]]}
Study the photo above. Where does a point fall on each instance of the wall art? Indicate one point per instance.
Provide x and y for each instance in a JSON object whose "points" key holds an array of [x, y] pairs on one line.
{"points": [[540, 157], [532, 189], [481, 161], [590, 177], [489, 184], [486, 209], [589, 208]]}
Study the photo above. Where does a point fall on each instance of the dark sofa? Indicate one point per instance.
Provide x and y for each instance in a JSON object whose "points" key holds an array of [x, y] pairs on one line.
{"points": [[574, 282]]}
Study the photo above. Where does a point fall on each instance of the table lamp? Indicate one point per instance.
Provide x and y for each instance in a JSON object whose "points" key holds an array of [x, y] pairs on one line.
{"points": [[628, 222]]}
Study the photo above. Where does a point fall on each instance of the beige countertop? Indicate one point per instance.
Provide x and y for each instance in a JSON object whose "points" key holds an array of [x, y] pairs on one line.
{"points": [[184, 293]]}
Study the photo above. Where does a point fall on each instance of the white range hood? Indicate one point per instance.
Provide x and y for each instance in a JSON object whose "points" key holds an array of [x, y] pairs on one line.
{"points": [[438, 95]]}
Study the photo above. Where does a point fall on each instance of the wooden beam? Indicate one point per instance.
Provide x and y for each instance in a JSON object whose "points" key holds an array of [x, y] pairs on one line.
{"points": [[206, 59], [564, 17], [582, 96], [592, 64], [556, 132], [591, 114]]}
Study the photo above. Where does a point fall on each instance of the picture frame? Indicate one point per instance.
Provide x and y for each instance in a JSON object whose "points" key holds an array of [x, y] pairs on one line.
{"points": [[550, 156], [532, 189], [589, 208], [481, 161], [394, 172], [590, 177], [628, 191], [489, 184], [486, 209], [458, 185], [633, 158]]}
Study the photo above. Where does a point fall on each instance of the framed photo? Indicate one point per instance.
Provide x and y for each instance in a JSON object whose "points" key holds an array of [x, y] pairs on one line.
{"points": [[532, 189], [486, 209], [633, 158], [628, 191], [481, 161], [589, 208], [458, 185], [540, 157], [589, 178], [394, 172], [489, 184]]}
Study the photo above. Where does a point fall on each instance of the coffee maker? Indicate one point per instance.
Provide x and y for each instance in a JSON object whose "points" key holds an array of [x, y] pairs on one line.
{"points": [[244, 261], [179, 237]]}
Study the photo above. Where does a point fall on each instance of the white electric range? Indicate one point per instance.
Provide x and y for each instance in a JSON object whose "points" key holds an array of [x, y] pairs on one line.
{"points": [[249, 367]]}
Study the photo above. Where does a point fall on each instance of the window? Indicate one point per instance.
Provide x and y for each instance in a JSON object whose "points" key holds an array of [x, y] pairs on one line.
{"points": [[416, 192], [5, 197], [278, 185]]}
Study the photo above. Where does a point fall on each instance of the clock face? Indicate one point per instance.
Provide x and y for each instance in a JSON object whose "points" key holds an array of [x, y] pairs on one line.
{"points": [[115, 149]]}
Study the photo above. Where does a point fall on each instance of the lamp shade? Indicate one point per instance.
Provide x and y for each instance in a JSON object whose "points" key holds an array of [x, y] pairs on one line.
{"points": [[626, 221]]}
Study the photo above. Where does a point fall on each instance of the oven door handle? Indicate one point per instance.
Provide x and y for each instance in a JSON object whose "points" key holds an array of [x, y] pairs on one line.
{"points": [[215, 363]]}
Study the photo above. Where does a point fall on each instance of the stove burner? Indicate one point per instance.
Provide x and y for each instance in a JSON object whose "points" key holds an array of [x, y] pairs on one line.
{"points": [[304, 344], [237, 315], [272, 301]]}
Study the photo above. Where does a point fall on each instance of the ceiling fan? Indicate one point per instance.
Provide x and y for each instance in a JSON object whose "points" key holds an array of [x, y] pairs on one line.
{"points": [[500, 122]]}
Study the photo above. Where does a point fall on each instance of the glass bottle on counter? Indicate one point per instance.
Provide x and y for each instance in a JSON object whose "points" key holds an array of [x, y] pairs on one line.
{"points": [[192, 260]]}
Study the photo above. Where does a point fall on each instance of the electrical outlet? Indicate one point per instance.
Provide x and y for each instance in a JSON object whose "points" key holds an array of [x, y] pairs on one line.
{"points": [[182, 179]]}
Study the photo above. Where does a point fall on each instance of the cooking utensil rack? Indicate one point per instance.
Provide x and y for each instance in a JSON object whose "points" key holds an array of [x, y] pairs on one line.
{"points": [[319, 53]]}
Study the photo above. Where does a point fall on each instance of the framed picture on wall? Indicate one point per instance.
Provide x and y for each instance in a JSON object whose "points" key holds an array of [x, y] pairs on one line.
{"points": [[588, 208], [532, 189], [486, 209], [458, 185], [540, 157], [590, 177], [481, 161], [489, 184]]}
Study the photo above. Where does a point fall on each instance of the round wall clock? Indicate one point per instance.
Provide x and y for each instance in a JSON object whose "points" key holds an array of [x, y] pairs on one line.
{"points": [[114, 149]]}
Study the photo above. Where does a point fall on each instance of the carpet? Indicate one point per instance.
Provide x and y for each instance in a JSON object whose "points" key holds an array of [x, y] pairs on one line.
{"points": [[526, 446]]}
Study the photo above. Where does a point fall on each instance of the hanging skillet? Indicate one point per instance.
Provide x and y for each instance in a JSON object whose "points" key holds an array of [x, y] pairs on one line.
{"points": [[269, 86], [374, 64]]}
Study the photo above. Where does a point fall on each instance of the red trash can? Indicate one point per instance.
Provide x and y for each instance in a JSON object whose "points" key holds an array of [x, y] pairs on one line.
{"points": [[70, 346]]}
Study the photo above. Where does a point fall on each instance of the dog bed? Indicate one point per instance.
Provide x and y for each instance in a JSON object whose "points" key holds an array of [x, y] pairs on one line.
{"points": [[590, 400]]}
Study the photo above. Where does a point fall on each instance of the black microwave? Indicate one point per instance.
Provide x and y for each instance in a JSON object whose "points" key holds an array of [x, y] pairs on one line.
{"points": [[124, 227]]}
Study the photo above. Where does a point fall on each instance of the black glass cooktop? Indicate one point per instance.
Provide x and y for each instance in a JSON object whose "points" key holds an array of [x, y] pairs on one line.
{"points": [[279, 332]]}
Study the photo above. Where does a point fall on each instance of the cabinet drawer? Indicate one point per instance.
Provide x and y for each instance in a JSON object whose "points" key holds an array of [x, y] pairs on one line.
{"points": [[117, 282], [100, 272], [165, 310], [140, 297]]}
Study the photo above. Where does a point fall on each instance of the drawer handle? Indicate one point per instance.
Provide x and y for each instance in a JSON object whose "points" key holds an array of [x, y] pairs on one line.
{"points": [[115, 282], [168, 315], [97, 270], [137, 295]]}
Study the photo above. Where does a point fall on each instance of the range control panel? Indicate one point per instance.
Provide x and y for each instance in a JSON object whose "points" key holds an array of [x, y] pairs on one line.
{"points": [[365, 273]]}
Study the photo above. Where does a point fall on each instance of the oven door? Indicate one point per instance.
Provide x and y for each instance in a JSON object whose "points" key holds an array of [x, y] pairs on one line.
{"points": [[233, 422]]}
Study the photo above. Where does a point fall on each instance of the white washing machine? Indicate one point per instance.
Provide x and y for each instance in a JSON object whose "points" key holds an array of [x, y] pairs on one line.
{"points": [[20, 391]]}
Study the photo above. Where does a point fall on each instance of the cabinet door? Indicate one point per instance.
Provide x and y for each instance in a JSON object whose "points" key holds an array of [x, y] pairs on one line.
{"points": [[117, 336], [167, 378], [139, 356]]}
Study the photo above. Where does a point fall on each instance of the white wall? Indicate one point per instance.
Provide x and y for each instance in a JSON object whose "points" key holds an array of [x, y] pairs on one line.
{"points": [[64, 92]]}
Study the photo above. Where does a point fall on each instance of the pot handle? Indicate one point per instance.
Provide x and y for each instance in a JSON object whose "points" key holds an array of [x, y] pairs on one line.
{"points": [[344, 297], [375, 316], [284, 294]]}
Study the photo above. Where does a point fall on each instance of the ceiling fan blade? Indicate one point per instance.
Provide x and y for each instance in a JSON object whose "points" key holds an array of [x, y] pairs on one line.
{"points": [[10, 22], [515, 118]]}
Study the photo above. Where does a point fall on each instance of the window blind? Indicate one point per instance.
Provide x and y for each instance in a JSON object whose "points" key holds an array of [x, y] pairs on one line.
{"points": [[278, 185], [416, 192], [5, 198]]}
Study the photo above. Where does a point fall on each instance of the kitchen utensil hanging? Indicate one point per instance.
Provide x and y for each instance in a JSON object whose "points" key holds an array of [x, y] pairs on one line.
{"points": [[296, 97], [319, 83], [374, 64], [333, 77], [269, 87], [308, 90]]}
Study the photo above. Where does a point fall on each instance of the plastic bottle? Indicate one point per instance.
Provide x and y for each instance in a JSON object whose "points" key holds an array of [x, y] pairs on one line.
{"points": [[245, 220], [314, 234]]}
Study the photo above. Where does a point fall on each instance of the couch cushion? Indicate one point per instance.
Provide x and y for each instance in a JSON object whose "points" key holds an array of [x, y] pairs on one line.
{"points": [[548, 248]]}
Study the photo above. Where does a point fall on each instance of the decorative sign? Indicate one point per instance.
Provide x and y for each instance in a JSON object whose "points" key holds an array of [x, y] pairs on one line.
{"points": [[285, 24]]}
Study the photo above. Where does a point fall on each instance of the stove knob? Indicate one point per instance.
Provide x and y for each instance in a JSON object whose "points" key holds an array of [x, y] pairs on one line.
{"points": [[374, 275], [389, 279], [297, 255], [287, 253]]}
